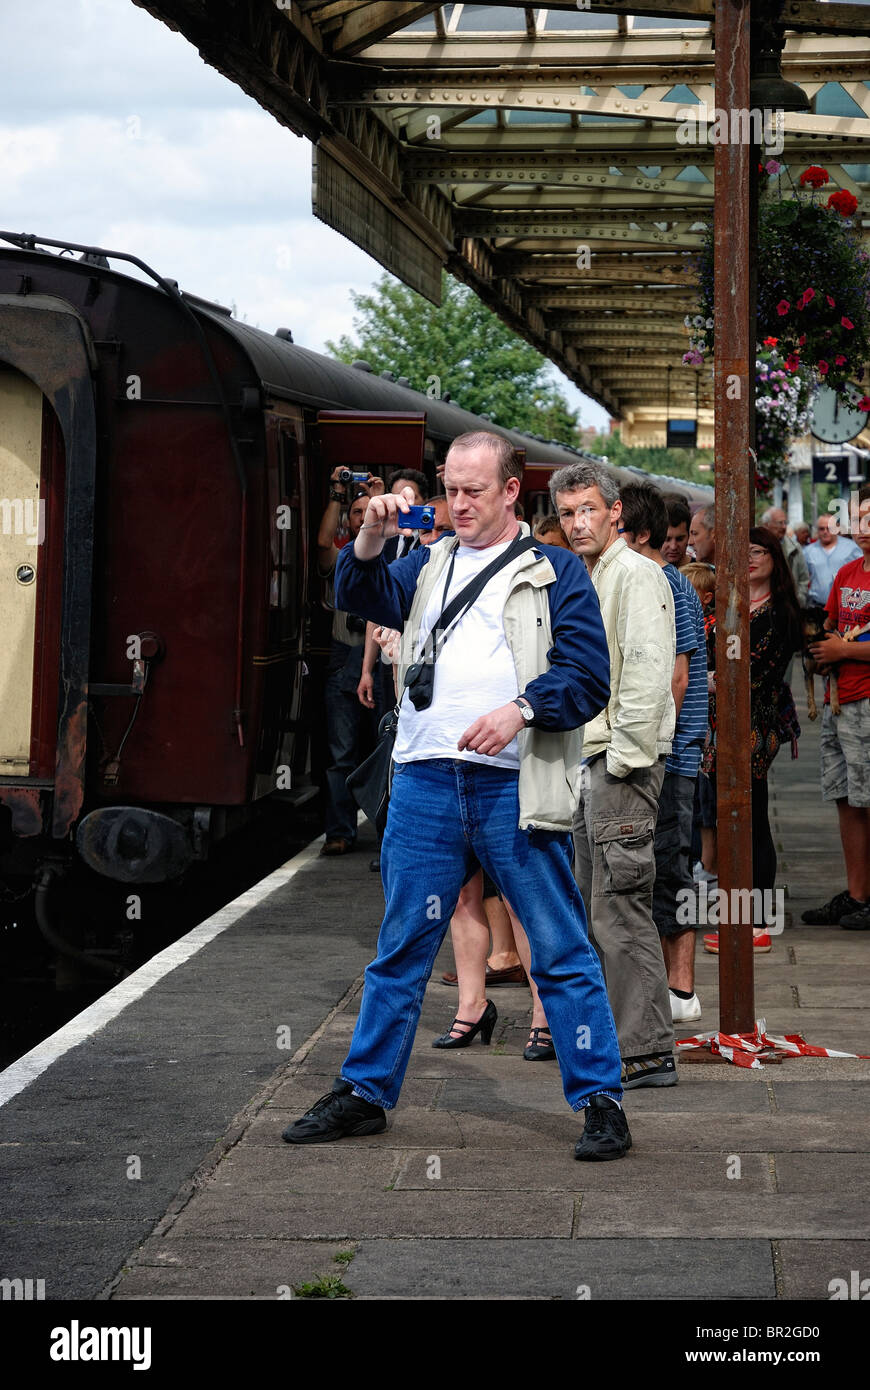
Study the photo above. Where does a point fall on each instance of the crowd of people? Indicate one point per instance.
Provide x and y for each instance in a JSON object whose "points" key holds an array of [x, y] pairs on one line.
{"points": [[559, 778]]}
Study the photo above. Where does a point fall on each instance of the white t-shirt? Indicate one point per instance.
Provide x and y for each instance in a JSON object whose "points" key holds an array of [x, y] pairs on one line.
{"points": [[474, 672]]}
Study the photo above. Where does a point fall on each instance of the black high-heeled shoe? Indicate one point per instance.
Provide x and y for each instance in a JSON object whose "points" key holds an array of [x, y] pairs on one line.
{"points": [[483, 1026], [538, 1051]]}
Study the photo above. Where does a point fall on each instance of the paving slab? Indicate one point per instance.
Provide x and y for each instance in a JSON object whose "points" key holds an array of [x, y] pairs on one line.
{"points": [[551, 1170], [814, 1098], [831, 1172], [736, 1213], [267, 1215], [565, 1270], [818, 1269], [263, 1269]]}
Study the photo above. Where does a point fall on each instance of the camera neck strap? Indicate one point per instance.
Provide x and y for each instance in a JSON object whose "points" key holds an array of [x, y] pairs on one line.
{"points": [[466, 598]]}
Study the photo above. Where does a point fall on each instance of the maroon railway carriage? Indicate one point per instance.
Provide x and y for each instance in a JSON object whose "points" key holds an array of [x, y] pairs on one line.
{"points": [[163, 469]]}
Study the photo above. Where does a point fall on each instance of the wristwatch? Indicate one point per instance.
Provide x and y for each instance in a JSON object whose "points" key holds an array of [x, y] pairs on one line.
{"points": [[525, 709]]}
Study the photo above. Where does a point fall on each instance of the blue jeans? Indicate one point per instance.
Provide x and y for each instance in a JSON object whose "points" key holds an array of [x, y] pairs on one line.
{"points": [[445, 817]]}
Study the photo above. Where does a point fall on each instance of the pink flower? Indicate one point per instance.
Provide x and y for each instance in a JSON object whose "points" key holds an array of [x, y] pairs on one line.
{"points": [[792, 362], [830, 300], [773, 166], [823, 367], [839, 360], [847, 323], [783, 307], [864, 403], [802, 339], [805, 298]]}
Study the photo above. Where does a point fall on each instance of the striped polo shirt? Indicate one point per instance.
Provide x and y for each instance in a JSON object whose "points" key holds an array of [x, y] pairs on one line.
{"points": [[691, 731]]}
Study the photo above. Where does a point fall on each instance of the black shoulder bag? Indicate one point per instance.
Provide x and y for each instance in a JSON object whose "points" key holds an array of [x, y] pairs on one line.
{"points": [[371, 782]]}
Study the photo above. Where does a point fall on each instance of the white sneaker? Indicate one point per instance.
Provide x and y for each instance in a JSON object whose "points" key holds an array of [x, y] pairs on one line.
{"points": [[702, 875], [684, 1010]]}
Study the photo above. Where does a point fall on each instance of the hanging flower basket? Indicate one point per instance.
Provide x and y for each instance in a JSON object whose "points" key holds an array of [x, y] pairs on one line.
{"points": [[782, 401], [813, 281]]}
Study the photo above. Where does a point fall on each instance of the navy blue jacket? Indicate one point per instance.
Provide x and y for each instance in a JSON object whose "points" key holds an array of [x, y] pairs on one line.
{"points": [[577, 685]]}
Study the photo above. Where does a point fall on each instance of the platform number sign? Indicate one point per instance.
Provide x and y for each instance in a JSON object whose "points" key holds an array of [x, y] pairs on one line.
{"points": [[831, 468]]}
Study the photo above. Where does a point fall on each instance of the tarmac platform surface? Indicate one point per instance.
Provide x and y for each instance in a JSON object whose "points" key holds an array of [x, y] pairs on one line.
{"points": [[742, 1184]]}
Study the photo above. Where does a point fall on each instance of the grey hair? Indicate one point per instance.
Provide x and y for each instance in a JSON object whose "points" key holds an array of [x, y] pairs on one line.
{"points": [[576, 476], [766, 515], [708, 515]]}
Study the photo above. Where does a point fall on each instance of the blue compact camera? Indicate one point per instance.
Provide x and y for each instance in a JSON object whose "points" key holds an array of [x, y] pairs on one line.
{"points": [[417, 518]]}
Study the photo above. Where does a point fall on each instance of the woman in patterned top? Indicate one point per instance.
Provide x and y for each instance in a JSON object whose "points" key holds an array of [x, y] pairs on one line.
{"points": [[774, 636]]}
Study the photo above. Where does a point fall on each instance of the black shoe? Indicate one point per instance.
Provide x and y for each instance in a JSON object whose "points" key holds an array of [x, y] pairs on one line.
{"points": [[606, 1132], [539, 1051], [832, 913], [857, 920], [483, 1026], [338, 1115], [654, 1070]]}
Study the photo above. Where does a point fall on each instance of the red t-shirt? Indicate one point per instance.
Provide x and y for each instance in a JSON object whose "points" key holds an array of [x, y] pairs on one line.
{"points": [[849, 606]]}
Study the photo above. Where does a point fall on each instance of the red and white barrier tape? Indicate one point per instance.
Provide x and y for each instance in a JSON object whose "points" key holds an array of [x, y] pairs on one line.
{"points": [[751, 1049]]}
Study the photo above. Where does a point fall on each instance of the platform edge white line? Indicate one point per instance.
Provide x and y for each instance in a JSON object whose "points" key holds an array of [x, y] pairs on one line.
{"points": [[26, 1069]]}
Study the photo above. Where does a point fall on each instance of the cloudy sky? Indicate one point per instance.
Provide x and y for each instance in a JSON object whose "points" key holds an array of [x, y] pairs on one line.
{"points": [[113, 132]]}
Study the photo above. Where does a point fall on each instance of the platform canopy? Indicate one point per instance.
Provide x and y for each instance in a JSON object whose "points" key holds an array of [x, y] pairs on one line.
{"points": [[543, 154]]}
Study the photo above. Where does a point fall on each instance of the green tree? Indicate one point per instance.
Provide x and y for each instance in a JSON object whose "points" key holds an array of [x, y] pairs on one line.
{"points": [[462, 349], [675, 463]]}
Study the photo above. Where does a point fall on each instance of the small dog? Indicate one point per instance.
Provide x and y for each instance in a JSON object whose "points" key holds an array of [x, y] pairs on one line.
{"points": [[813, 623]]}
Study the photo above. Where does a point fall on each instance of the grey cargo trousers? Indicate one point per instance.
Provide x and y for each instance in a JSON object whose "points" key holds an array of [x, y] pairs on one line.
{"points": [[614, 864]]}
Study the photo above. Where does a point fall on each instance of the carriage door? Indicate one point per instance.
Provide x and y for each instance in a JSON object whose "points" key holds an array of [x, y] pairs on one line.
{"points": [[31, 492]]}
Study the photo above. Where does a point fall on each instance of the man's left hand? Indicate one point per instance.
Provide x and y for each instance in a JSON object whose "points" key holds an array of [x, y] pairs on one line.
{"points": [[492, 732], [830, 649]]}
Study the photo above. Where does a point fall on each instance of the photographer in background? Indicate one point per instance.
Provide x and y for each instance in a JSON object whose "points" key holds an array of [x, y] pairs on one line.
{"points": [[349, 726]]}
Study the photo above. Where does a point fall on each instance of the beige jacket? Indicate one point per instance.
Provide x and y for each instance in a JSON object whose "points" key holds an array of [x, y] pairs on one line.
{"points": [[637, 608], [549, 762]]}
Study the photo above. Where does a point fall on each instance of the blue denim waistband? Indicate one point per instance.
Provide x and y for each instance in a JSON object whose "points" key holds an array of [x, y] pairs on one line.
{"points": [[451, 765]]}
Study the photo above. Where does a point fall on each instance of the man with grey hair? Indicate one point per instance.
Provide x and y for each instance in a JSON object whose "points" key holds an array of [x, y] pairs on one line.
{"points": [[775, 520], [829, 554], [702, 537], [623, 768]]}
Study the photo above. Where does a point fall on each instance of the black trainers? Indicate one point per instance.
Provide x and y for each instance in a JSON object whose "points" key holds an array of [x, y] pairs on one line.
{"points": [[859, 920], [338, 1115], [605, 1134], [658, 1070], [832, 913]]}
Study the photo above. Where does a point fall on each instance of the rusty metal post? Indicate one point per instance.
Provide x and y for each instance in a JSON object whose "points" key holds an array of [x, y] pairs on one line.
{"points": [[734, 388]]}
